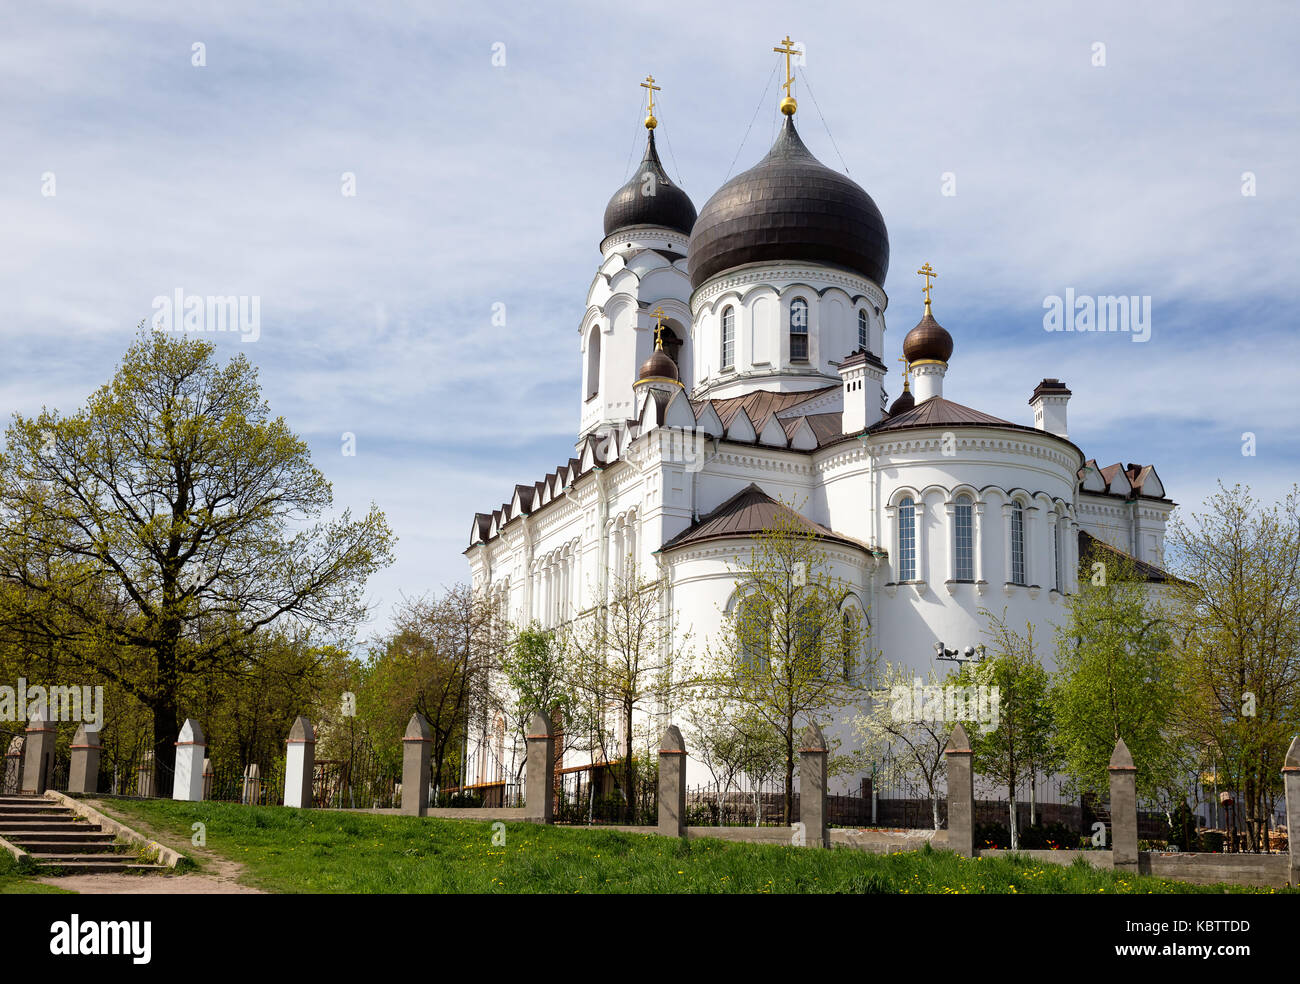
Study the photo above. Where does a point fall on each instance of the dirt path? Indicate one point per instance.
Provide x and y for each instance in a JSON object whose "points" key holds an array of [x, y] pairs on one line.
{"points": [[219, 876]]}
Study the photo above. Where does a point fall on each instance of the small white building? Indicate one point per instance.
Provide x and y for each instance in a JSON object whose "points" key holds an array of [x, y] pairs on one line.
{"points": [[769, 385]]}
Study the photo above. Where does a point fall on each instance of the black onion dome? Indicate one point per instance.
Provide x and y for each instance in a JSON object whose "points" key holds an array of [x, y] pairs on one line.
{"points": [[904, 403], [790, 207], [657, 202], [928, 340], [659, 366]]}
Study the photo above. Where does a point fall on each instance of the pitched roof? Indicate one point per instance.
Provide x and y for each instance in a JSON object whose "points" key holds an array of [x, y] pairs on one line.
{"points": [[936, 411], [761, 404], [750, 511], [1148, 572]]}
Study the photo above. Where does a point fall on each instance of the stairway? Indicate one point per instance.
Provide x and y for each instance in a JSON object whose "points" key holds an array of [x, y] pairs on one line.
{"points": [[63, 842]]}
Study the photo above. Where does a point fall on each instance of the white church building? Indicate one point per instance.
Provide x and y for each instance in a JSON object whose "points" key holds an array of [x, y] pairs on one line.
{"points": [[766, 385]]}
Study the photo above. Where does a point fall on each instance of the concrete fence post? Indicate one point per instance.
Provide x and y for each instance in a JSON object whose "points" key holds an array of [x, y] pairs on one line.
{"points": [[38, 771], [539, 791], [959, 760], [672, 783], [1123, 809], [417, 748], [13, 774], [208, 778], [83, 773], [251, 794], [812, 787], [1291, 785], [146, 776], [187, 784], [299, 764]]}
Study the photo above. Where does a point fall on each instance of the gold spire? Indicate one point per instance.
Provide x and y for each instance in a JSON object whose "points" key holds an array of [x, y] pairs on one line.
{"points": [[927, 272], [907, 372], [659, 329], [788, 104], [651, 89]]}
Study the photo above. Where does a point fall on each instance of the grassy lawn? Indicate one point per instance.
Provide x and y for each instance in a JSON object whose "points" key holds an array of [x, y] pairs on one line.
{"points": [[285, 850], [12, 882]]}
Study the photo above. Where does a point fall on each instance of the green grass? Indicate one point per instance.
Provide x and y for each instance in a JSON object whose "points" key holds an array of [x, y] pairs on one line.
{"points": [[285, 850], [14, 881]]}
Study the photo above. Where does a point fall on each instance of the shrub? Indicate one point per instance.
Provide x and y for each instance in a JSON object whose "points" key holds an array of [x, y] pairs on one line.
{"points": [[1049, 837], [1210, 841], [992, 835]]}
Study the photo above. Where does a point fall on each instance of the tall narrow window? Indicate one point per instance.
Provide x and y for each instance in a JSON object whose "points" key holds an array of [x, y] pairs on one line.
{"points": [[754, 627], [862, 329], [963, 540], [1017, 543], [728, 337], [907, 540], [848, 648], [798, 330], [593, 362], [1056, 552]]}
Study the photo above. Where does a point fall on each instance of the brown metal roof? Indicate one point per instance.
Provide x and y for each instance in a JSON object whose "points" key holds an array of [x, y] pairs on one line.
{"points": [[761, 404], [937, 412], [750, 511], [1148, 572]]}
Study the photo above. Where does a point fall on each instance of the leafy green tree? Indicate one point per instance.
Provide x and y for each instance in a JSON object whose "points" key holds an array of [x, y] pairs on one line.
{"points": [[438, 659], [621, 658], [174, 517], [1021, 744], [1237, 609], [789, 650], [1117, 677], [536, 677], [907, 740]]}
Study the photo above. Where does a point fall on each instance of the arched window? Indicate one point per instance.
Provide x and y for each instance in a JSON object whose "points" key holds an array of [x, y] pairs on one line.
{"points": [[728, 337], [963, 540], [1017, 543], [798, 330], [593, 362], [862, 329], [907, 540], [754, 628]]}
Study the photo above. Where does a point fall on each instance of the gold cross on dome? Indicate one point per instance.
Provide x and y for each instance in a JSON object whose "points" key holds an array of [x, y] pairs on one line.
{"points": [[659, 328], [927, 272], [907, 371], [787, 48], [651, 89]]}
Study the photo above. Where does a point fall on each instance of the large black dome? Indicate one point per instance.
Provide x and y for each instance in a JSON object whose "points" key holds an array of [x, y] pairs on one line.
{"points": [[654, 201], [790, 207]]}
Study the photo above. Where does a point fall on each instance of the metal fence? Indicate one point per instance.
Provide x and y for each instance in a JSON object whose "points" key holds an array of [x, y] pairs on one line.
{"points": [[597, 796], [744, 804]]}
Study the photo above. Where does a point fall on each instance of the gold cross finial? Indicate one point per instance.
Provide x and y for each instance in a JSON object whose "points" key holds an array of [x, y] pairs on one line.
{"points": [[659, 329], [651, 89], [787, 48], [907, 372], [927, 272]]}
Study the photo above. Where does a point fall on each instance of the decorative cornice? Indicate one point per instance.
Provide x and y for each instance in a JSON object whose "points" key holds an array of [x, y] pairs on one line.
{"points": [[763, 274]]}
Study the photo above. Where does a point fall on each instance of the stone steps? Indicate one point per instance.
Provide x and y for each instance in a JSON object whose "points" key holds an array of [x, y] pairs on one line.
{"points": [[58, 839]]}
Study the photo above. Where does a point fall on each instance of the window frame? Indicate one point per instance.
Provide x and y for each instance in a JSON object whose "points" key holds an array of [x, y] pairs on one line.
{"points": [[906, 539], [727, 354], [963, 538], [799, 330]]}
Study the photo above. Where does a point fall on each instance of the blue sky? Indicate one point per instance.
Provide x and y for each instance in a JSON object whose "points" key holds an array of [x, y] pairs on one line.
{"points": [[480, 183]]}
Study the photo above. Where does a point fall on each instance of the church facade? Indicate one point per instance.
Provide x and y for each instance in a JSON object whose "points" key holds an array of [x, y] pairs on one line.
{"points": [[735, 360]]}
